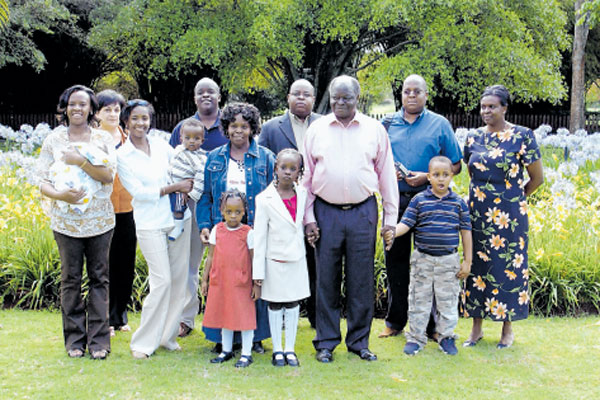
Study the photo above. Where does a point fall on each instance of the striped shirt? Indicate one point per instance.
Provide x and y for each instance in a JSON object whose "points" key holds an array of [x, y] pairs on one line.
{"points": [[188, 164], [437, 222]]}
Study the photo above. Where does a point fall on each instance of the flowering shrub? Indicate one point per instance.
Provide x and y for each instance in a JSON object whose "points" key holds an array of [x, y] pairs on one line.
{"points": [[564, 217], [564, 222]]}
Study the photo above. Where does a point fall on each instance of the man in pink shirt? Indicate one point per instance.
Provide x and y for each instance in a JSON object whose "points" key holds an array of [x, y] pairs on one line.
{"points": [[347, 159]]}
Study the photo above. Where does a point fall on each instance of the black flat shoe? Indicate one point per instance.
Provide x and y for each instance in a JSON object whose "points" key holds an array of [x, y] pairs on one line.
{"points": [[278, 361], [324, 356], [292, 359], [364, 354], [244, 362], [258, 348], [225, 356]]}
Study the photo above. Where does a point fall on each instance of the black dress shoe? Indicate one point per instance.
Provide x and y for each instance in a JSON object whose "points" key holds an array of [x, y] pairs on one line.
{"points": [[292, 359], [244, 362], [364, 354], [324, 356], [257, 347], [278, 361], [221, 358]]}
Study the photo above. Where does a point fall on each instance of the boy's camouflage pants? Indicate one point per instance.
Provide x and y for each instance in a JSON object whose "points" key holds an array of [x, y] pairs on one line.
{"points": [[432, 276]]}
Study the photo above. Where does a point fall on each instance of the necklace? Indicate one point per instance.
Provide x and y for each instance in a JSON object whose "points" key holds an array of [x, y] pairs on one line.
{"points": [[240, 163]]}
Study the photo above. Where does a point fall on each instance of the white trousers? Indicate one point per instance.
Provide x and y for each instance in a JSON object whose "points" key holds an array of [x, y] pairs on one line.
{"points": [[167, 271], [191, 305]]}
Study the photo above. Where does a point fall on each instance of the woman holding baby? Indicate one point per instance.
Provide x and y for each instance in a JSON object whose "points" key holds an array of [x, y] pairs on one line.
{"points": [[76, 169]]}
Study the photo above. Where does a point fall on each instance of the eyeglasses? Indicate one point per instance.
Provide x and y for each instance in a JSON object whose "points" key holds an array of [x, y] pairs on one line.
{"points": [[137, 102]]}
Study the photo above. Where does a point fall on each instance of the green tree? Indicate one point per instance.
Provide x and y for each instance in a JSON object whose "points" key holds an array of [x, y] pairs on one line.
{"points": [[27, 18], [580, 36], [460, 47]]}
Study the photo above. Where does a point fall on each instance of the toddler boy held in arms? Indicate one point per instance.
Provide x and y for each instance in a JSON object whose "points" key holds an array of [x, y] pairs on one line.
{"points": [[437, 215], [188, 163]]}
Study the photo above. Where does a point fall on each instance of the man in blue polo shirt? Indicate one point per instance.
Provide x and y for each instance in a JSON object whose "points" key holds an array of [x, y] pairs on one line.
{"points": [[416, 136], [206, 96]]}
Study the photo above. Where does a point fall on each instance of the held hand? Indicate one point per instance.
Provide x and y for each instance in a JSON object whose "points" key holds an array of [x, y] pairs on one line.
{"points": [[255, 292], [204, 288], [312, 233], [185, 186], [72, 157], [415, 179], [72, 196], [388, 238], [204, 236], [388, 233], [465, 270]]}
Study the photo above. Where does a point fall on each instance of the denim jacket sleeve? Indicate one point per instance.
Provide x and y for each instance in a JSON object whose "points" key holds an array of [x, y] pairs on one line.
{"points": [[261, 175], [207, 209]]}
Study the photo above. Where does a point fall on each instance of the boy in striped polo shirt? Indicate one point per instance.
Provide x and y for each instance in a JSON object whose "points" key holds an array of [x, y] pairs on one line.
{"points": [[437, 215]]}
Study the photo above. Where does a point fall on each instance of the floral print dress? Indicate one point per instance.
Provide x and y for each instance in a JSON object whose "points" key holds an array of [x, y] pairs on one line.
{"points": [[498, 285]]}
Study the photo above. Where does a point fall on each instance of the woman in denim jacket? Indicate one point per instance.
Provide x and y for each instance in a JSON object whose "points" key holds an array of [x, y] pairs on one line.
{"points": [[244, 165]]}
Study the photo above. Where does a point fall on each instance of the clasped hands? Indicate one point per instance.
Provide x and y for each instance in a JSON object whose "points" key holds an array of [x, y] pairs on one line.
{"points": [[312, 233]]}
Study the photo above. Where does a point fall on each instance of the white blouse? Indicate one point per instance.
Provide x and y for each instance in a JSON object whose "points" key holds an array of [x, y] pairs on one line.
{"points": [[143, 176]]}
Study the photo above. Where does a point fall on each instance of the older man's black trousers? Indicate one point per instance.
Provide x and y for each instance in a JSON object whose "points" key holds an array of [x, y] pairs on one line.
{"points": [[348, 235]]}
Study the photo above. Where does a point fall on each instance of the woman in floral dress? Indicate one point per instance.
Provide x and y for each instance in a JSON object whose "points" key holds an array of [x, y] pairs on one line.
{"points": [[497, 155]]}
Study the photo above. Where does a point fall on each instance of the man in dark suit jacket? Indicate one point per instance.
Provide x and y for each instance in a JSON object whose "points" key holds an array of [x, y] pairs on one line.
{"points": [[288, 131]]}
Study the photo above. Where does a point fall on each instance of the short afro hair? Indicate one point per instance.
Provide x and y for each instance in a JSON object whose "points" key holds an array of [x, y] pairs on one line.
{"points": [[249, 112]]}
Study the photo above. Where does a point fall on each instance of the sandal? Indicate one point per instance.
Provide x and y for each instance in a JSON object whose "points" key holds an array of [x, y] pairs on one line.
{"points": [[138, 355], [75, 353], [111, 329], [184, 330], [472, 343], [292, 359], [99, 354], [125, 328], [501, 345]]}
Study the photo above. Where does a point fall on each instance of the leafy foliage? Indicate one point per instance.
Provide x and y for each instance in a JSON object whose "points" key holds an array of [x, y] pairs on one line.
{"points": [[4, 12], [26, 18], [459, 47]]}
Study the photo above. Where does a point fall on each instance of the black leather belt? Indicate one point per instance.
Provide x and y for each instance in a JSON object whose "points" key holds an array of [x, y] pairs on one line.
{"points": [[348, 206], [437, 255]]}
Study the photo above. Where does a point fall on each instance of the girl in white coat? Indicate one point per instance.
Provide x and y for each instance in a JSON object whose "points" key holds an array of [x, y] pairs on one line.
{"points": [[279, 263]]}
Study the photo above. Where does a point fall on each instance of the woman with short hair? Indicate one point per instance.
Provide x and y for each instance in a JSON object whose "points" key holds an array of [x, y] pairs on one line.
{"points": [[497, 156]]}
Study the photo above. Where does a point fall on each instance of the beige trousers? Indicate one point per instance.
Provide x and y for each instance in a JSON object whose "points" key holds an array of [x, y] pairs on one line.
{"points": [[167, 271]]}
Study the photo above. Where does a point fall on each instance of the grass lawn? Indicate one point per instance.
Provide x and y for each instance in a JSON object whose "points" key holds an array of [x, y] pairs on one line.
{"points": [[557, 358]]}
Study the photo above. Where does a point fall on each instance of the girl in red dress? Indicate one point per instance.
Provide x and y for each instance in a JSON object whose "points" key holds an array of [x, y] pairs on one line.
{"points": [[227, 280]]}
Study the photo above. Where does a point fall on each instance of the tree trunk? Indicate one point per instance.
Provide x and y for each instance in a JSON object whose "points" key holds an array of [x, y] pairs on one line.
{"points": [[582, 28]]}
